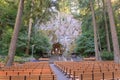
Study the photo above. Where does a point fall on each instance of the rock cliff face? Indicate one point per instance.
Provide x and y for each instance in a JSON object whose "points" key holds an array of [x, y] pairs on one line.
{"points": [[63, 29]]}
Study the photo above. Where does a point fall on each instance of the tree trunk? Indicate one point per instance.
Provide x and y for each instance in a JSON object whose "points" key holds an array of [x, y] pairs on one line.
{"points": [[113, 32], [29, 34], [12, 48], [106, 27], [97, 54], [29, 30], [99, 41], [97, 30]]}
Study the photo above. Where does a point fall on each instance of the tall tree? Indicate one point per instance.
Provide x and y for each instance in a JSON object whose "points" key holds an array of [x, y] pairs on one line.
{"points": [[97, 53], [29, 29], [106, 27], [12, 48], [113, 32], [39, 11]]}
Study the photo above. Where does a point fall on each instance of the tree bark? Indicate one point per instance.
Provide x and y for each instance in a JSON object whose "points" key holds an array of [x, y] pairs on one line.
{"points": [[113, 33], [97, 30], [97, 53], [12, 48], [29, 30], [106, 27], [29, 34]]}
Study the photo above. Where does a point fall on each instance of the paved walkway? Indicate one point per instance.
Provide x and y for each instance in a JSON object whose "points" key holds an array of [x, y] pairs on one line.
{"points": [[59, 74]]}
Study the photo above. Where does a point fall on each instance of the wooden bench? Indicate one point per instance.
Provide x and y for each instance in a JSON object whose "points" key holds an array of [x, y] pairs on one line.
{"points": [[44, 59], [89, 59], [28, 71], [91, 70]]}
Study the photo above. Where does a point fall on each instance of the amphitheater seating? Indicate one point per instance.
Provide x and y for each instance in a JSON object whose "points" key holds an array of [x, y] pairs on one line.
{"points": [[28, 71], [84, 70], [90, 70]]}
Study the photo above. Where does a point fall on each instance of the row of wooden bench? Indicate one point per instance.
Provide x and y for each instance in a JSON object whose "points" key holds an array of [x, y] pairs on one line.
{"points": [[90, 70], [90, 66], [30, 77], [28, 71], [28, 66]]}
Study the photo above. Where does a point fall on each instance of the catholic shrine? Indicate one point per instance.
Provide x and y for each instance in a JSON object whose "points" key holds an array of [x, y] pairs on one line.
{"points": [[57, 49]]}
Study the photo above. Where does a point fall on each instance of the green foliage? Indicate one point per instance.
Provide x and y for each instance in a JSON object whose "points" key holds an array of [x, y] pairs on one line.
{"points": [[22, 42], [7, 18], [40, 42], [2, 59], [86, 18], [105, 55], [38, 39], [118, 29], [6, 37], [116, 9], [22, 59], [85, 44], [8, 12], [37, 10], [84, 3], [19, 59]]}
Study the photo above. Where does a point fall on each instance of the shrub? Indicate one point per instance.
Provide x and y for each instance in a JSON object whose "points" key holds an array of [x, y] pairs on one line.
{"points": [[105, 55], [2, 59]]}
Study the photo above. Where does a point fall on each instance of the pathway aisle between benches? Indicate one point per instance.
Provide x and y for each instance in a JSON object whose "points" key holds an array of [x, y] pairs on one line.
{"points": [[59, 74]]}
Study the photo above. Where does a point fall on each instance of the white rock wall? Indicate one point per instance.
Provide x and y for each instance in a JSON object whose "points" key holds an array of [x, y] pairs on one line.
{"points": [[65, 27]]}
